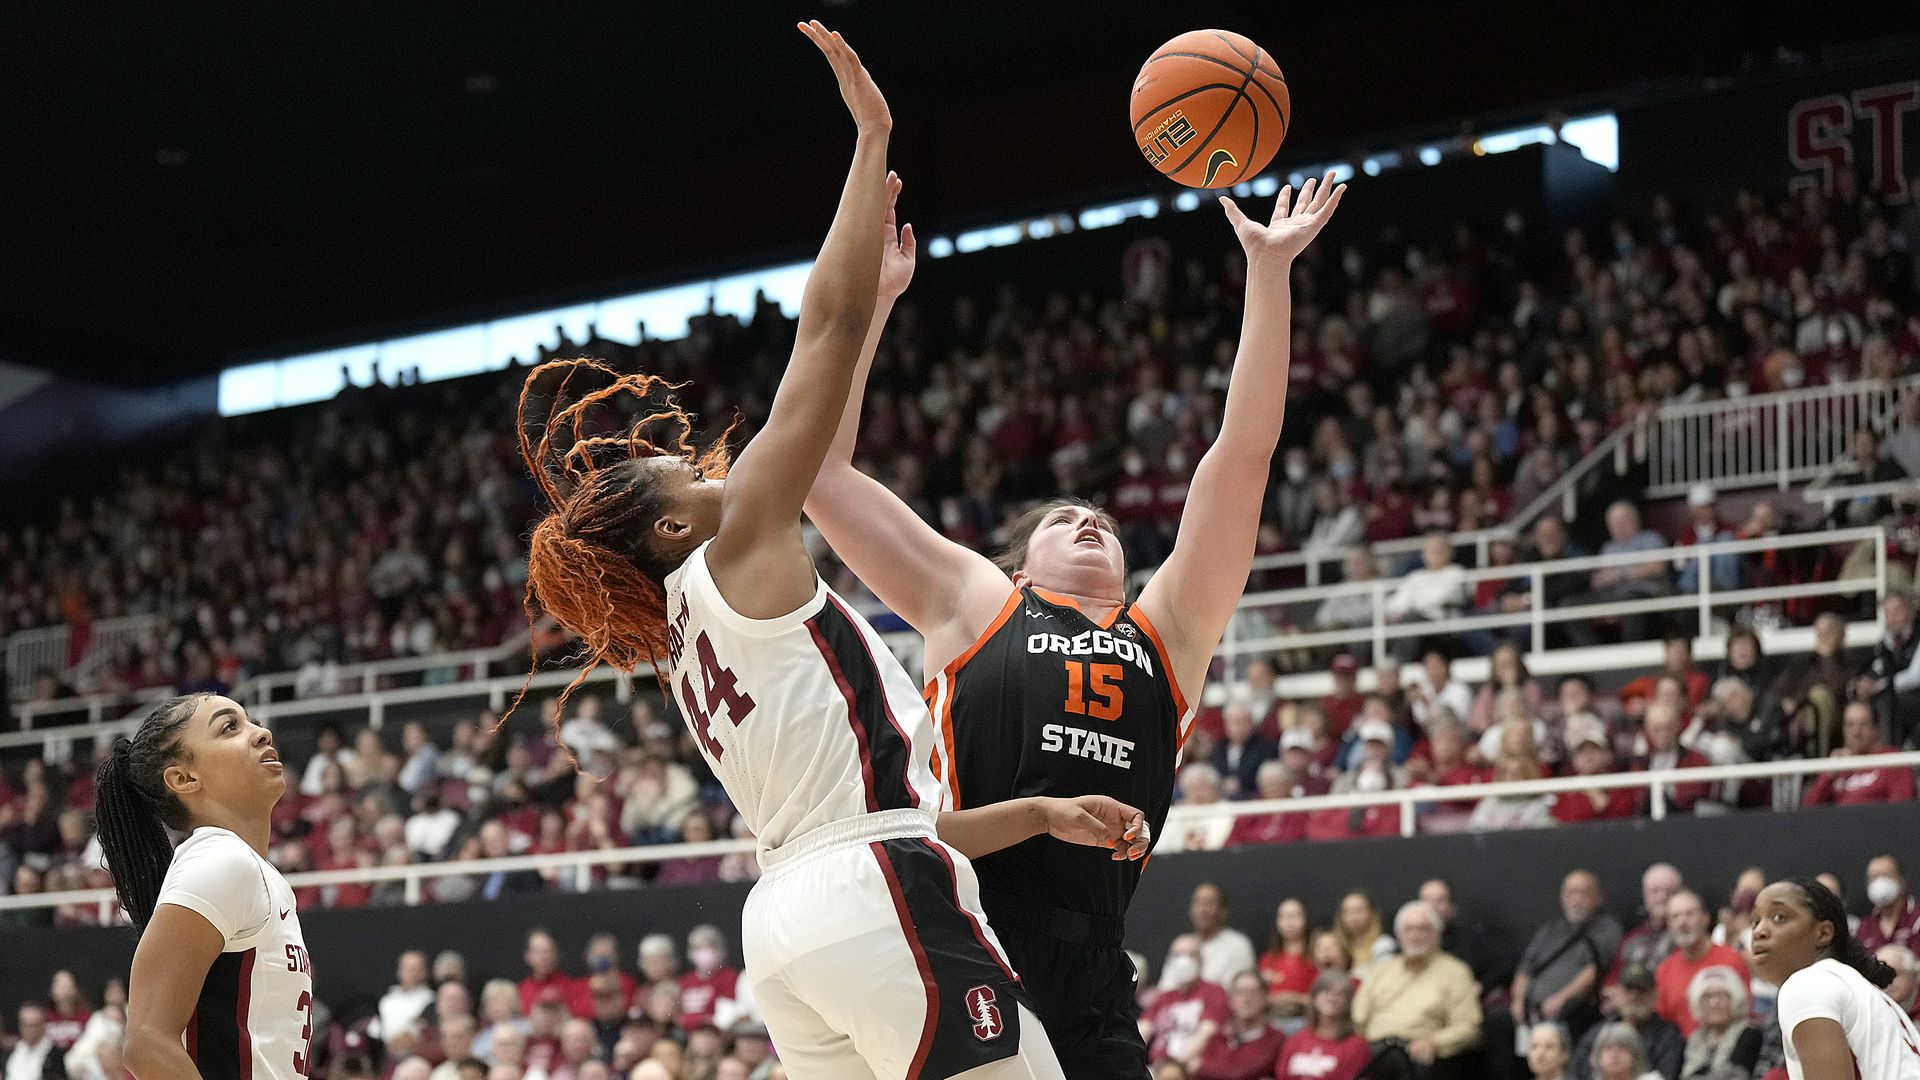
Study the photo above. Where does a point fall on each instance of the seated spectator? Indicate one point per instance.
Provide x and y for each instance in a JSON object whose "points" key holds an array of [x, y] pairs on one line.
{"points": [[1224, 951], [1287, 967], [1892, 677], [1722, 1045], [1330, 955], [1905, 987], [542, 958], [1356, 926], [1558, 977], [1704, 527], [1276, 780], [1508, 672], [1747, 661], [405, 1003], [1342, 706], [1327, 1048], [1349, 610], [1246, 1047], [1199, 784], [499, 1008], [1437, 688], [1860, 734], [1895, 918], [1801, 710], [1420, 1010], [1549, 1051], [67, 1011], [1241, 752], [696, 869], [1370, 767], [1676, 662], [1619, 1054], [708, 981], [1618, 584], [1187, 1012], [1513, 811], [1662, 730], [1592, 756], [1435, 591], [1649, 941], [1446, 763], [1574, 694], [1693, 953], [34, 1056], [1660, 1041]]}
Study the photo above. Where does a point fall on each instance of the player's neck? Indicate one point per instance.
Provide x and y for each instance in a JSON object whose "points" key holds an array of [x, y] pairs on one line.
{"points": [[1090, 605], [255, 829]]}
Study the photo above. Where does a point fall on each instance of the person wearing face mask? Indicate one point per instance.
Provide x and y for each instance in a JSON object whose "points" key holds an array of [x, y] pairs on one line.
{"points": [[1292, 505], [1187, 1011], [707, 981], [1895, 919]]}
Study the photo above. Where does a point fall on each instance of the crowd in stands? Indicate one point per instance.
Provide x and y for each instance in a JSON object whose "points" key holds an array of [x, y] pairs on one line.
{"points": [[1427, 987]]}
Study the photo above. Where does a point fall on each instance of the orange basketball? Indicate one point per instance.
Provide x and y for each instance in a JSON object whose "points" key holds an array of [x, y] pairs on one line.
{"points": [[1210, 109]]}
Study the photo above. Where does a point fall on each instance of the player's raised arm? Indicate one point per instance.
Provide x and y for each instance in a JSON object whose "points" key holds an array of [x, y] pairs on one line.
{"points": [[921, 575], [757, 557], [1193, 595]]}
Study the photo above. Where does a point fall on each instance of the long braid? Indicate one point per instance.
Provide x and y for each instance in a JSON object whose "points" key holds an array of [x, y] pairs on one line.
{"points": [[133, 808], [1846, 948]]}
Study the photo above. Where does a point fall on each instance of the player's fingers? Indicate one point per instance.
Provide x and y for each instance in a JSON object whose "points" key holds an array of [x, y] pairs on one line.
{"points": [[1280, 204], [1233, 212], [1306, 194], [1326, 191], [907, 243]]}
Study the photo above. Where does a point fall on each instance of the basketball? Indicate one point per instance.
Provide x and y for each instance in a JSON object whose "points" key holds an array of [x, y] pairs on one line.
{"points": [[1210, 109]]}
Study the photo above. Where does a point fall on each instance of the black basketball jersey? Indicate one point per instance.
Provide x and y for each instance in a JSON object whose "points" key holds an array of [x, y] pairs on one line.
{"points": [[1050, 702]]}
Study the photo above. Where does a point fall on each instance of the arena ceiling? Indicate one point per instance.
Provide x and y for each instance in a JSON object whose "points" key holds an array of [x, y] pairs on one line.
{"points": [[183, 188]]}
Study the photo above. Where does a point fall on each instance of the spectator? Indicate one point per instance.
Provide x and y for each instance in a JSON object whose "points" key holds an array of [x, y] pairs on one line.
{"points": [[1240, 754], [1247, 1046], [1860, 734], [1508, 674], [1274, 781], [1549, 1051], [708, 982], [430, 830], [423, 757], [583, 734], [34, 1055], [659, 960], [1437, 689], [1895, 918], [1693, 952], [1224, 951], [1349, 609], [1662, 730], [1638, 581], [1466, 937], [1327, 1048], [405, 1003], [603, 958], [499, 1007], [1905, 987], [1188, 1011], [1445, 763], [1371, 770], [1661, 1040], [1435, 591], [579, 1045], [1287, 967], [1420, 1010], [67, 1011], [1592, 756], [1343, 705], [1559, 973], [1619, 1054], [456, 1035], [543, 971], [1356, 926], [1513, 811], [1802, 708], [1892, 677], [1651, 940], [1704, 527], [1199, 784], [496, 843], [1721, 1046], [1747, 661]]}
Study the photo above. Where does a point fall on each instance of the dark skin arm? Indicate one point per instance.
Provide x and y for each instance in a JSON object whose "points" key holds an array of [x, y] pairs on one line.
{"points": [[758, 558], [169, 966], [1823, 1049]]}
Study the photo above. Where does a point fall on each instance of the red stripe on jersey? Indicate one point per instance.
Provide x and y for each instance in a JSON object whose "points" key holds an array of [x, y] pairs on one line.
{"points": [[979, 933], [880, 685], [240, 1010], [853, 718], [919, 957]]}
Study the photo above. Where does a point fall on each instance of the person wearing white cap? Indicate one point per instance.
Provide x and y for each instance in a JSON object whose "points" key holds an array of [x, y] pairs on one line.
{"points": [[1592, 751], [1372, 770], [1704, 527]]}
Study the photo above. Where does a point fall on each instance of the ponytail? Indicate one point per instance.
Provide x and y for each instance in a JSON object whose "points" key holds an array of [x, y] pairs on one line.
{"points": [[133, 808], [1846, 948]]}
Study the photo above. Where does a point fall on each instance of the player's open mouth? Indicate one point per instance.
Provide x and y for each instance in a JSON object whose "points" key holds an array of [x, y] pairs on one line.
{"points": [[1089, 538], [272, 757]]}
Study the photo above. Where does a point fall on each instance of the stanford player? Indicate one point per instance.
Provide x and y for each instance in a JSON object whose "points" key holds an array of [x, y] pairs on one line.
{"points": [[1044, 677], [865, 949], [221, 988]]}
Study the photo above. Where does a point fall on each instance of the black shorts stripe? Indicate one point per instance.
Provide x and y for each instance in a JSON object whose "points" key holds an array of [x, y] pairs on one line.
{"points": [[885, 753], [217, 1037], [976, 999]]}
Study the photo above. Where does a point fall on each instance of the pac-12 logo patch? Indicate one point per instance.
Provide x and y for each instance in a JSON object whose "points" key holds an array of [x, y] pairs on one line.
{"points": [[984, 1008]]}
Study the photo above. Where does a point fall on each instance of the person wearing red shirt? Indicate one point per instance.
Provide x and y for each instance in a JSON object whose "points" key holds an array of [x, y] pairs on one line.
{"points": [[1678, 663], [1327, 1048], [1592, 756], [1860, 735], [1245, 1048], [1287, 966], [603, 957], [1188, 1010], [67, 1011], [1693, 951], [1662, 728], [1895, 919], [709, 981], [1289, 779], [543, 972], [1346, 701]]}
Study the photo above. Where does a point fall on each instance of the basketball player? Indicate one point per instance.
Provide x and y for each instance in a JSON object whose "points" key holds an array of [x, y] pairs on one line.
{"points": [[1837, 1021], [864, 944], [221, 985], [1044, 678]]}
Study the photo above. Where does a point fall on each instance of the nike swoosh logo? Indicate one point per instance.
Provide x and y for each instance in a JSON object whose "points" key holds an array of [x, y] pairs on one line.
{"points": [[1214, 161], [286, 913]]}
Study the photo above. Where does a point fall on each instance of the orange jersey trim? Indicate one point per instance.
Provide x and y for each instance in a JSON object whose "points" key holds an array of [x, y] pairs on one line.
{"points": [[943, 694], [1068, 601], [1140, 619]]}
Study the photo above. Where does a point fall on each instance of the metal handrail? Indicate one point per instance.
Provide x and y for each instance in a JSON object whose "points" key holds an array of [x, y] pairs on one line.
{"points": [[1408, 799]]}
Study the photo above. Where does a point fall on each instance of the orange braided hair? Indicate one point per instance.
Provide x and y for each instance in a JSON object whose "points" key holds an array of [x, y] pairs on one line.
{"points": [[591, 563]]}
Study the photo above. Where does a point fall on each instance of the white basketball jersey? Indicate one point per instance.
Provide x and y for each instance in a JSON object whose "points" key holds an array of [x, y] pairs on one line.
{"points": [[254, 1020], [1883, 1039], [806, 719]]}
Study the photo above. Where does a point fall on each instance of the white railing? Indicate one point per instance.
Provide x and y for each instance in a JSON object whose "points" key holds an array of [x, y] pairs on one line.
{"points": [[1209, 824], [1830, 494], [1766, 439], [1538, 616], [46, 648]]}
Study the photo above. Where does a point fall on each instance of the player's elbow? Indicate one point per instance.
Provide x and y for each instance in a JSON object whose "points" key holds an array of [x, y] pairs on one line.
{"points": [[836, 319]]}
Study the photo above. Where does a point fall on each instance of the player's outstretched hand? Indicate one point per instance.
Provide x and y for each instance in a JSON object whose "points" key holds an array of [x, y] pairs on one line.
{"points": [[897, 248], [863, 98], [1294, 224], [1098, 821]]}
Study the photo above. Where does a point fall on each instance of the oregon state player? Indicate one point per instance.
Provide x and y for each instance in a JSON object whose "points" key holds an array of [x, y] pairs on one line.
{"points": [[1045, 678]]}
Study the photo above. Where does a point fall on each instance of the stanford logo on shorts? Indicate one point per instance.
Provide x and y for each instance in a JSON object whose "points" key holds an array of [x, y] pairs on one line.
{"points": [[981, 1005]]}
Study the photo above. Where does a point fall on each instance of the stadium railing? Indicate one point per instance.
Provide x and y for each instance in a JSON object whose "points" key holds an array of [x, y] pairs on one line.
{"points": [[1766, 439], [48, 648], [1831, 494], [1188, 828]]}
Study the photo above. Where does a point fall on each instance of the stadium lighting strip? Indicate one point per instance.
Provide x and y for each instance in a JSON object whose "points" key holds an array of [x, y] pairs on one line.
{"points": [[490, 346]]}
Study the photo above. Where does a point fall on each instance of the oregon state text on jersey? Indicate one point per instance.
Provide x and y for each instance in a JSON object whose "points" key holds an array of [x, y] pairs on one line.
{"points": [[1050, 702]]}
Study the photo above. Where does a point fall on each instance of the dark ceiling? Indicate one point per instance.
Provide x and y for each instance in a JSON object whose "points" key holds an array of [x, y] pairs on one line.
{"points": [[188, 186]]}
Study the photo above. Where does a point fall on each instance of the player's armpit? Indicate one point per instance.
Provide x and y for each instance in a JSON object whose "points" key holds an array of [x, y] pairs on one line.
{"points": [[1824, 1054]]}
